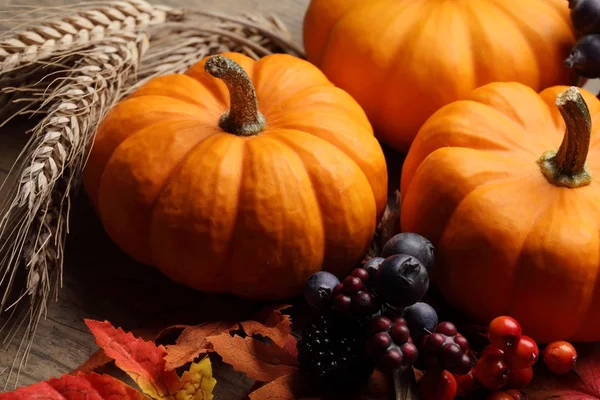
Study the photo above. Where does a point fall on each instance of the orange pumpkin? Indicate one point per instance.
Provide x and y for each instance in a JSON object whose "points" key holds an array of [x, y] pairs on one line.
{"points": [[404, 59], [239, 177], [514, 220]]}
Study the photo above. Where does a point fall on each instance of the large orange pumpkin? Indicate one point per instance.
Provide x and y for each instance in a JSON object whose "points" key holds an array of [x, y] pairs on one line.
{"points": [[404, 59], [239, 177], [516, 222]]}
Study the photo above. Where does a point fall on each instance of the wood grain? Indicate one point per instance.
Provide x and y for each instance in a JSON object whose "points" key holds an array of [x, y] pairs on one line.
{"points": [[100, 281]]}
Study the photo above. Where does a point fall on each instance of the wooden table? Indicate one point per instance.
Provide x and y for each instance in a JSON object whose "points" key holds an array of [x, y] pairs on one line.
{"points": [[101, 282]]}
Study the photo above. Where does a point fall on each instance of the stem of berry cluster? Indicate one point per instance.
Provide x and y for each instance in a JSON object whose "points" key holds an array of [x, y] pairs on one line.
{"points": [[405, 384]]}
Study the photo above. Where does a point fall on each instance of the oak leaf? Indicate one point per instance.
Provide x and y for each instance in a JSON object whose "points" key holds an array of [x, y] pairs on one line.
{"points": [[192, 343], [581, 383], [80, 386], [258, 360]]}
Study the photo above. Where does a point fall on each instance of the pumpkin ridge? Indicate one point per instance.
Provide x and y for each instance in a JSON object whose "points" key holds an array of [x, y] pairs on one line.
{"points": [[284, 138], [489, 185]]}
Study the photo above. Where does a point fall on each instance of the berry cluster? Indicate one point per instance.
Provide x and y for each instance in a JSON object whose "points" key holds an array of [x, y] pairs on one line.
{"points": [[383, 299], [585, 54]]}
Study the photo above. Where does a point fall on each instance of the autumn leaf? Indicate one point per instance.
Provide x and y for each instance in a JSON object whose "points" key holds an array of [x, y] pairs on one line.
{"points": [[85, 386], [270, 323], [260, 361], [282, 388], [96, 360], [581, 383], [192, 342], [197, 383]]}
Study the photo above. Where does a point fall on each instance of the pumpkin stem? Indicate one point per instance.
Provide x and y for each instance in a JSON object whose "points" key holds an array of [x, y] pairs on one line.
{"points": [[243, 117], [567, 166]]}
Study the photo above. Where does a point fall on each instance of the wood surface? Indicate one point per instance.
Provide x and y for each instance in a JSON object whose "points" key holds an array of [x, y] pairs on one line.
{"points": [[100, 282]]}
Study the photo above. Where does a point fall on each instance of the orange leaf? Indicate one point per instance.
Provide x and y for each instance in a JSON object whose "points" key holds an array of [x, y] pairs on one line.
{"points": [[192, 342], [275, 325], [142, 361], [80, 386], [282, 388], [256, 359], [96, 360]]}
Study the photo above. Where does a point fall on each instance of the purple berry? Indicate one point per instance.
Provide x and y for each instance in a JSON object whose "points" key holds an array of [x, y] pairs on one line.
{"points": [[411, 244], [421, 319], [319, 288], [402, 280], [585, 16]]}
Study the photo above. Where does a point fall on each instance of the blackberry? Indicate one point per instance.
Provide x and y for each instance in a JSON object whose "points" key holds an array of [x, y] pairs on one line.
{"points": [[332, 352]]}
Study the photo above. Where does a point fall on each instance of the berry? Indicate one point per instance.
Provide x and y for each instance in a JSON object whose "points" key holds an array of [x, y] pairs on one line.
{"points": [[524, 354], [506, 395], [466, 383], [402, 280], [585, 16], [491, 349], [519, 378], [504, 332], [491, 371], [437, 385], [319, 288], [421, 319], [352, 297], [372, 266], [516, 394], [410, 244], [390, 344], [332, 352], [560, 357], [445, 349]]}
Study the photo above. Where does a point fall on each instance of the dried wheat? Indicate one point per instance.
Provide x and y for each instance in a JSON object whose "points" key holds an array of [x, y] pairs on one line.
{"points": [[35, 221]]}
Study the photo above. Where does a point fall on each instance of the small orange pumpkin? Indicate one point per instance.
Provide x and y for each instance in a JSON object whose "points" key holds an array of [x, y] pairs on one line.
{"points": [[239, 177], [516, 222], [404, 59]]}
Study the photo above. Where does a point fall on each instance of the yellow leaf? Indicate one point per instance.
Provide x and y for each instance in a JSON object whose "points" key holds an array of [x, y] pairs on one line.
{"points": [[197, 383]]}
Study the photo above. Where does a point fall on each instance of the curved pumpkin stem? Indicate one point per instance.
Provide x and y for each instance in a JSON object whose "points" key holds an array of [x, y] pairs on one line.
{"points": [[567, 166], [243, 118]]}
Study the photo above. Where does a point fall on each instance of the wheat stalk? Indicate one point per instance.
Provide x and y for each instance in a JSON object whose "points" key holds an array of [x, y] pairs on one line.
{"points": [[70, 68]]}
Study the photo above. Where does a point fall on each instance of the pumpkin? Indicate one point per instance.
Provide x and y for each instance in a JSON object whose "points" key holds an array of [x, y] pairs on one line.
{"points": [[404, 59], [506, 185], [239, 177]]}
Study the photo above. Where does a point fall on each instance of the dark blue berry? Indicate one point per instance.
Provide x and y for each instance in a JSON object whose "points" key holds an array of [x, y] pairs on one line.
{"points": [[319, 288], [585, 15], [411, 244], [371, 267], [402, 280], [421, 319]]}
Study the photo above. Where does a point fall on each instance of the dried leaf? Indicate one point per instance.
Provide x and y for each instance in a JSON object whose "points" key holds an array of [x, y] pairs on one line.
{"points": [[197, 383], [282, 388], [96, 360], [80, 386], [581, 383], [271, 323], [258, 360], [142, 361], [192, 342]]}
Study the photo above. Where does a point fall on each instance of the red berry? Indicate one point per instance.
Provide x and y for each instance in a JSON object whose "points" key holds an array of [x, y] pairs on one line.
{"points": [[466, 382], [337, 290], [361, 274], [560, 357], [400, 333], [434, 341], [491, 371], [391, 360], [524, 354], [410, 353], [363, 302], [519, 378], [447, 328], [504, 332], [464, 366], [498, 395], [352, 285], [378, 342], [490, 349], [437, 385], [451, 355], [380, 324], [516, 394], [342, 303], [462, 342]]}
